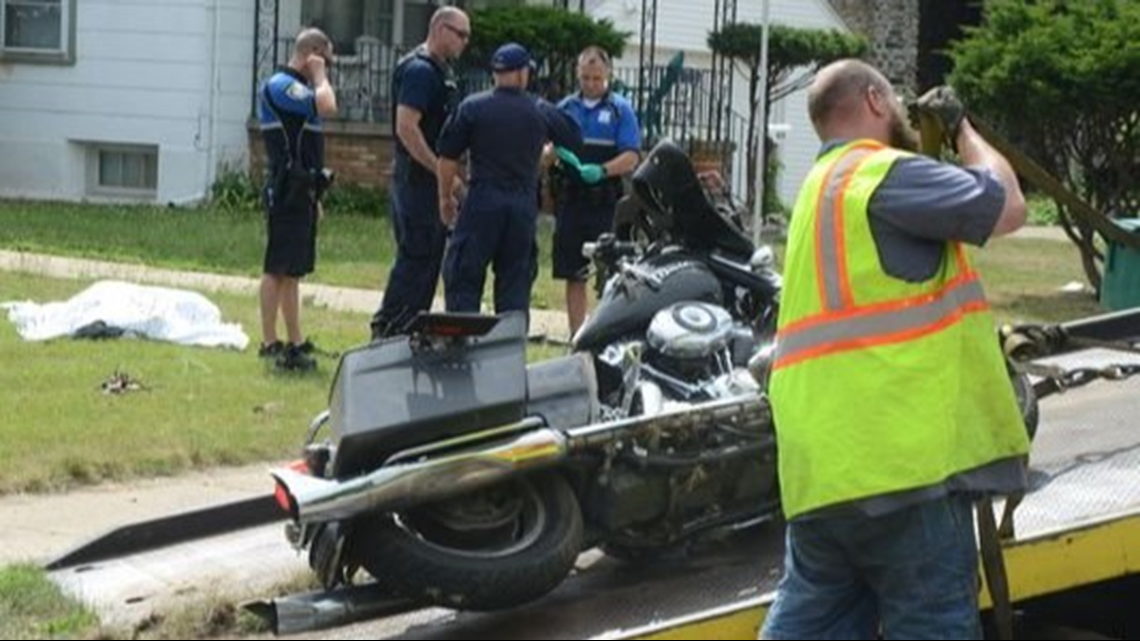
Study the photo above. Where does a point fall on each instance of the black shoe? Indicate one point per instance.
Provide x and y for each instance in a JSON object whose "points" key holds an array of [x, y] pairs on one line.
{"points": [[293, 359], [270, 350], [310, 348]]}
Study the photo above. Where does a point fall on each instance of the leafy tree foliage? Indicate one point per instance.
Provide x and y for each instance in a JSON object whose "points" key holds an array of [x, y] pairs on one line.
{"points": [[553, 36], [794, 55], [1061, 79]]}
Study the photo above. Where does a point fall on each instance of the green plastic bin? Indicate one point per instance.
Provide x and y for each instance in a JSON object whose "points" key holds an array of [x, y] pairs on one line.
{"points": [[1120, 288]]}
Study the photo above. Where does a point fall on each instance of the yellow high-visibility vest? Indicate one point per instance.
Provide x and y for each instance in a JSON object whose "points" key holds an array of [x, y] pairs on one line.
{"points": [[879, 384]]}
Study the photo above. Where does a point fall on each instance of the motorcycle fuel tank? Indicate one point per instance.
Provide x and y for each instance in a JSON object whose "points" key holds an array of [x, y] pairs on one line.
{"points": [[630, 302]]}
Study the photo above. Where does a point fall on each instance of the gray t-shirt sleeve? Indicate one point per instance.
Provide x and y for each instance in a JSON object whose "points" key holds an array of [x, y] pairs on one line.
{"points": [[938, 201]]}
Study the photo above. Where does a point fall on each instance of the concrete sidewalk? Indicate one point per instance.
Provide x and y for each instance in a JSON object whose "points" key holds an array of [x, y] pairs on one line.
{"points": [[365, 301], [42, 527]]}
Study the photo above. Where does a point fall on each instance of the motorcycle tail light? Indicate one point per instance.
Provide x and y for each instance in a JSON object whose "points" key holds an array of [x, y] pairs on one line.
{"points": [[281, 494]]}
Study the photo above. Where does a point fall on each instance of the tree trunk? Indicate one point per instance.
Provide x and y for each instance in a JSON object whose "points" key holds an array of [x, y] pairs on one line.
{"points": [[1084, 237]]}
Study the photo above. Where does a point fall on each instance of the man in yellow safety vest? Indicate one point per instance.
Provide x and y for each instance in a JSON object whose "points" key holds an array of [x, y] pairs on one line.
{"points": [[892, 403]]}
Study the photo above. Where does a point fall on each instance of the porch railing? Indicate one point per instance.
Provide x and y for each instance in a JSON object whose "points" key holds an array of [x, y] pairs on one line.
{"points": [[688, 113], [707, 127]]}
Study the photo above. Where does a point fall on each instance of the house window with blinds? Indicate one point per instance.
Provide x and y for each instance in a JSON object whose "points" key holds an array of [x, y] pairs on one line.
{"points": [[37, 30]]}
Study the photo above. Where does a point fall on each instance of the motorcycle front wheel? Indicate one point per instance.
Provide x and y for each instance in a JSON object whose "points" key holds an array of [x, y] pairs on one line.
{"points": [[492, 549]]}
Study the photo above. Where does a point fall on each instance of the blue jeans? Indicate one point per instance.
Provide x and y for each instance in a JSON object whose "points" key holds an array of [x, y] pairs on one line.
{"points": [[910, 574]]}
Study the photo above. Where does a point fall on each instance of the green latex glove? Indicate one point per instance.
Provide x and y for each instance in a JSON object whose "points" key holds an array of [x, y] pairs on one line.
{"points": [[568, 157], [592, 174]]}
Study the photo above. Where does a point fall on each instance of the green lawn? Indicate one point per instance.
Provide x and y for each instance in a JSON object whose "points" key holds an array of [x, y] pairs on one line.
{"points": [[209, 407], [1023, 278], [201, 407], [31, 607], [353, 250]]}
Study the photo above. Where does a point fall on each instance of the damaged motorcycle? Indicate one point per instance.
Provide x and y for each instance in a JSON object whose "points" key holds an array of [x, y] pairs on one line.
{"points": [[457, 475]]}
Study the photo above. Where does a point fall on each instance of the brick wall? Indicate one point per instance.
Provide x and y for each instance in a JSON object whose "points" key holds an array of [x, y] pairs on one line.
{"points": [[892, 28], [359, 153]]}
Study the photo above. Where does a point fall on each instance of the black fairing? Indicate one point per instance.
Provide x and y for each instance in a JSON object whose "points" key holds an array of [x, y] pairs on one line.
{"points": [[628, 304], [677, 205], [389, 396]]}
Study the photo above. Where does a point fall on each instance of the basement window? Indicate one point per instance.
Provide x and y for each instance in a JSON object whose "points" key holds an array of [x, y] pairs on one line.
{"points": [[129, 171]]}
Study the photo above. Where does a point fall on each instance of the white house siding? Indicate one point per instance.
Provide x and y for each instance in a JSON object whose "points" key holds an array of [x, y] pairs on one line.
{"points": [[685, 25], [173, 74]]}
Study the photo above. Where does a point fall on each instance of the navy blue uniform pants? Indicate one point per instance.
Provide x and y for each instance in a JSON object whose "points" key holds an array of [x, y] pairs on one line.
{"points": [[581, 216], [496, 227], [420, 242]]}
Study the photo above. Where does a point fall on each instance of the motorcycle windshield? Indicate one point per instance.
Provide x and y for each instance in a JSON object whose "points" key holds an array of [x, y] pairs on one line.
{"points": [[668, 187]]}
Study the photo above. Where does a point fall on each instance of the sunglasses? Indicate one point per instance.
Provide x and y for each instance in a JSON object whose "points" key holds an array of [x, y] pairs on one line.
{"points": [[462, 33]]}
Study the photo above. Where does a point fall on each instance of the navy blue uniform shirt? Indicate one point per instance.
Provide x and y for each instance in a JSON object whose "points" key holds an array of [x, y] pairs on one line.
{"points": [[505, 130], [426, 85], [287, 112]]}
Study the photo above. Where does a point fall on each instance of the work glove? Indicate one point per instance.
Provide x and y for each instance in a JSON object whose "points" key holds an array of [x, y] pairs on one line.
{"points": [[568, 157], [592, 174], [937, 115]]}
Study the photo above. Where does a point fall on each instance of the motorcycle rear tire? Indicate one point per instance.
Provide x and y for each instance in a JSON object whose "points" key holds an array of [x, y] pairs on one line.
{"points": [[405, 561]]}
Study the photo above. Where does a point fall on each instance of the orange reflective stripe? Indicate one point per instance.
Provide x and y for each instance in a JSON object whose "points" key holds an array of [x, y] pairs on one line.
{"points": [[842, 276], [963, 262], [901, 336], [879, 324], [874, 308], [821, 206], [831, 244]]}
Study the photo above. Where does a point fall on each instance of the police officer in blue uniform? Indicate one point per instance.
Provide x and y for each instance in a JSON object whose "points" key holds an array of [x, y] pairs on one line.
{"points": [[590, 185], [504, 131], [424, 94], [290, 107]]}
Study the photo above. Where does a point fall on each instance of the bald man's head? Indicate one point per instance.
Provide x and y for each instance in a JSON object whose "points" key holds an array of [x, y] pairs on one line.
{"points": [[313, 41], [446, 14], [852, 99], [448, 33], [839, 86]]}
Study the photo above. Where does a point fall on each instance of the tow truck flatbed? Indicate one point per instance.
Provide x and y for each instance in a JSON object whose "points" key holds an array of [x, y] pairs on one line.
{"points": [[1079, 526]]}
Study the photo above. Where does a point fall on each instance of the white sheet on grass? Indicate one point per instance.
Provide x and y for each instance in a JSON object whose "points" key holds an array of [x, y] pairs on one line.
{"points": [[159, 313]]}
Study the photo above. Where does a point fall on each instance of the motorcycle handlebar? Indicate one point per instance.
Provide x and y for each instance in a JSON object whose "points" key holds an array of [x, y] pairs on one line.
{"points": [[611, 249], [637, 273]]}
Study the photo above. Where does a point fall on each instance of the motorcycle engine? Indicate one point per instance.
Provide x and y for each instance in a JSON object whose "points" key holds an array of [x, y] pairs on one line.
{"points": [[688, 340]]}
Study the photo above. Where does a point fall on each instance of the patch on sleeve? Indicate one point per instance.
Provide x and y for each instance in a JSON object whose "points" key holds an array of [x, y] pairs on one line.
{"points": [[298, 91]]}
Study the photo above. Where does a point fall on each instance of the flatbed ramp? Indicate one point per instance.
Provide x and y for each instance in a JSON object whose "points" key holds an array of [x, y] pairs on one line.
{"points": [[1079, 525]]}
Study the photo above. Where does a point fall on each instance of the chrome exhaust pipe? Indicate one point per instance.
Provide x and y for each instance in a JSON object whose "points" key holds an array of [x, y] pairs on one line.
{"points": [[438, 472], [402, 485]]}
